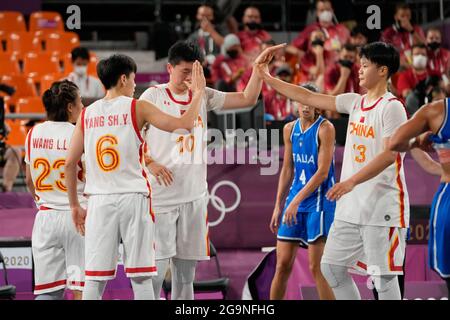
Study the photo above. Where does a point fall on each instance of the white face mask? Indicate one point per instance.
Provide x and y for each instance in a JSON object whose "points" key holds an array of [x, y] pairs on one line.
{"points": [[419, 61], [326, 16], [80, 70]]}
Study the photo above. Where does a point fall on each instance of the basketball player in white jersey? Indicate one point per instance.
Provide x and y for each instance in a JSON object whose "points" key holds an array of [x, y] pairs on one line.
{"points": [[58, 250], [372, 210], [178, 166], [117, 186]]}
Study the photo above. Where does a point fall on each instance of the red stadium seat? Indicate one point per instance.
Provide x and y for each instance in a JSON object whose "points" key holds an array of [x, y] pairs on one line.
{"points": [[23, 85], [35, 65], [9, 65], [61, 42], [21, 43], [17, 134], [30, 105], [92, 66], [12, 21], [46, 20], [47, 80]]}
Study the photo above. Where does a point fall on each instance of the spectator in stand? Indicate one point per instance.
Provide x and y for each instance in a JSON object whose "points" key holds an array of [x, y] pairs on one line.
{"points": [[438, 57], [358, 38], [411, 77], [208, 36], [336, 35], [90, 87], [253, 35], [277, 106], [403, 34], [313, 62], [229, 66]]}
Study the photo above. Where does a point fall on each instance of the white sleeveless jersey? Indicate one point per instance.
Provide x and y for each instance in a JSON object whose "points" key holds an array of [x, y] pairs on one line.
{"points": [[183, 152], [382, 200], [114, 148], [46, 149]]}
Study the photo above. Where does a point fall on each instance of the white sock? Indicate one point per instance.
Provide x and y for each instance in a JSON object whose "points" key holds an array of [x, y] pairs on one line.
{"points": [[157, 281], [55, 295], [142, 288], [93, 289], [183, 274], [344, 288]]}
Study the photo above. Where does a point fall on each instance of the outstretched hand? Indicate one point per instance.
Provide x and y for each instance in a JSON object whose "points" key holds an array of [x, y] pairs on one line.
{"points": [[266, 56], [198, 81]]}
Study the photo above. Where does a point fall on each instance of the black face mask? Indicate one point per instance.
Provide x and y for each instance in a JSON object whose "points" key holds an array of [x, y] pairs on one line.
{"points": [[317, 42], [346, 63], [233, 54], [434, 45], [254, 26]]}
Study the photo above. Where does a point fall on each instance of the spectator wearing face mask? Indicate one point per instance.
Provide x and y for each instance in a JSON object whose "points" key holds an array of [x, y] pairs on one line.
{"points": [[438, 57], [411, 77], [90, 87], [313, 62], [336, 35], [208, 36], [229, 66], [253, 35], [403, 34], [278, 106]]}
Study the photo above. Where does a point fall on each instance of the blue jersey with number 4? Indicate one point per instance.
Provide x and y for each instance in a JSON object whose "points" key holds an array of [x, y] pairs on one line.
{"points": [[305, 154]]}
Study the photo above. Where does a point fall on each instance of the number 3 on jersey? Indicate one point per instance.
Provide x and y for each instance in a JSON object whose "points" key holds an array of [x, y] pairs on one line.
{"points": [[40, 185], [107, 156]]}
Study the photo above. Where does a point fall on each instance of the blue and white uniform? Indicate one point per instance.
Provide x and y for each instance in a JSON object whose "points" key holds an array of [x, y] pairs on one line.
{"points": [[439, 242], [315, 213]]}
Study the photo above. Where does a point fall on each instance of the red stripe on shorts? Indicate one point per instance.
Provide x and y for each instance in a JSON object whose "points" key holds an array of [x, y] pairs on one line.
{"points": [[100, 273], [50, 285], [141, 269]]}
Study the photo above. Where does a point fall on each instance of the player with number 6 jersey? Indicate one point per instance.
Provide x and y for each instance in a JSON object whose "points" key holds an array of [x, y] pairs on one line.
{"points": [[119, 194], [58, 250]]}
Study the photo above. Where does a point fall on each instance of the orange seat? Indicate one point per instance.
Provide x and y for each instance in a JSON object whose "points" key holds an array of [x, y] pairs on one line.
{"points": [[92, 66], [67, 63], [17, 134], [47, 80], [23, 85], [12, 21], [3, 36], [35, 65], [9, 65], [30, 105], [42, 20], [21, 43], [61, 42]]}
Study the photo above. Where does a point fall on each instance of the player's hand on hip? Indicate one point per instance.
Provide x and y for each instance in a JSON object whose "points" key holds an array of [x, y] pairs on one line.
{"points": [[339, 189], [79, 219], [198, 81], [273, 226], [290, 215], [161, 173]]}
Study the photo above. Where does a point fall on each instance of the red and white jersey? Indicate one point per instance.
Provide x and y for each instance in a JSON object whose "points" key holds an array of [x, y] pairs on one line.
{"points": [[182, 152], [46, 149], [382, 200], [113, 148]]}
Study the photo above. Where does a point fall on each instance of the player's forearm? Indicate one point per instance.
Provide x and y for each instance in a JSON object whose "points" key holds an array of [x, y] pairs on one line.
{"points": [[302, 95], [374, 167], [252, 90], [426, 162], [71, 183], [188, 118], [315, 181]]}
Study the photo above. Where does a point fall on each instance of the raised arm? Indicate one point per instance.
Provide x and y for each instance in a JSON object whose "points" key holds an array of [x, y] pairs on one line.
{"points": [[327, 135], [249, 96], [287, 171], [147, 112]]}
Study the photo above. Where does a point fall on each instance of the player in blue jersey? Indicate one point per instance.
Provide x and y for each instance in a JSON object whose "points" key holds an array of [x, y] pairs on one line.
{"points": [[307, 214], [430, 127]]}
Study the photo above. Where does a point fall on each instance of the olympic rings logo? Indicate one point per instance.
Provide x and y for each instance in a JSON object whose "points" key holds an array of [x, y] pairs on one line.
{"points": [[219, 204]]}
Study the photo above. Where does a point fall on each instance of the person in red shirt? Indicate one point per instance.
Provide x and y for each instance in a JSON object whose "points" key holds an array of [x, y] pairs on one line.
{"points": [[253, 34], [277, 106], [438, 57], [336, 35], [229, 66], [403, 34], [342, 77], [409, 78]]}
